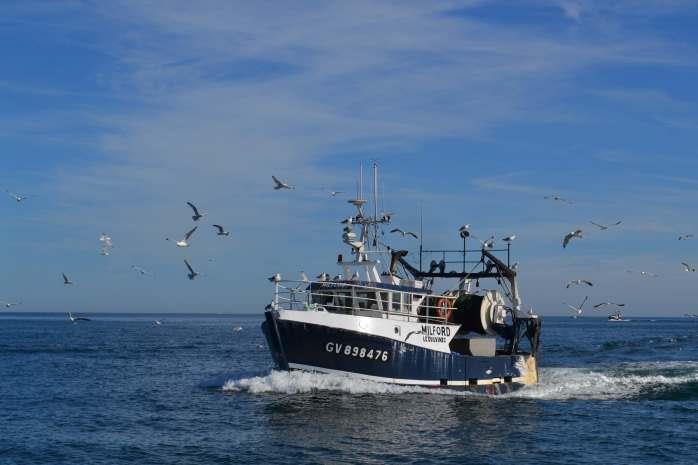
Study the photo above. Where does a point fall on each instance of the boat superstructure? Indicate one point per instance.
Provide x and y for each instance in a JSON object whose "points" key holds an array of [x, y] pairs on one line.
{"points": [[381, 318]]}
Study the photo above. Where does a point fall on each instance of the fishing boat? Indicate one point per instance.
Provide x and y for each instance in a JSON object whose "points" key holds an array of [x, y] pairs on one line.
{"points": [[384, 319]]}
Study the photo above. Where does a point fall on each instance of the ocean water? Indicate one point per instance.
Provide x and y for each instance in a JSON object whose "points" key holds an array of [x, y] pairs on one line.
{"points": [[121, 390]]}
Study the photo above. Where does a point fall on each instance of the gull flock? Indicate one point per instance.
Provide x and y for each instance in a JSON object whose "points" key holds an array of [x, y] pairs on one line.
{"points": [[107, 244]]}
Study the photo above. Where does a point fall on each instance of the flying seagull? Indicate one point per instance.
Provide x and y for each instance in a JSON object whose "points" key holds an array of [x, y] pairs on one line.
{"points": [[9, 304], [404, 233], [578, 282], [509, 238], [645, 274], [577, 310], [197, 216], [576, 234], [192, 274], [685, 237], [140, 270], [221, 231], [688, 268], [557, 198], [335, 193], [106, 244], [66, 280], [77, 318], [603, 304], [281, 184], [183, 242], [17, 197], [604, 227]]}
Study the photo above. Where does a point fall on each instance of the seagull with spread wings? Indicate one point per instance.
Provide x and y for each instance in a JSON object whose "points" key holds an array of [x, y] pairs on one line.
{"points": [[192, 274], [578, 282], [221, 230], [577, 310], [197, 216], [688, 268], [404, 233], [281, 184], [604, 304], [18, 198], [557, 198], [576, 234], [686, 237], [66, 281], [184, 242], [604, 227]]}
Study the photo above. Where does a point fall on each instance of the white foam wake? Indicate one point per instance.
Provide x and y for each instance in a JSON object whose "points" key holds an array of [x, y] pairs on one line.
{"points": [[624, 382], [296, 382], [621, 382]]}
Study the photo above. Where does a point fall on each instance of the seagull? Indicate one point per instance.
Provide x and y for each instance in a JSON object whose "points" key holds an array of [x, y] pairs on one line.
{"points": [[404, 233], [515, 266], [688, 268], [140, 270], [275, 278], [557, 198], [464, 231], [77, 318], [604, 227], [338, 277], [237, 329], [576, 234], [197, 216], [183, 242], [577, 310], [304, 277], [603, 304], [348, 220], [648, 274], [335, 193], [157, 322], [281, 184], [221, 231], [509, 238], [192, 274], [66, 280], [323, 276], [578, 282], [488, 244], [685, 237], [106, 244], [17, 197], [9, 304]]}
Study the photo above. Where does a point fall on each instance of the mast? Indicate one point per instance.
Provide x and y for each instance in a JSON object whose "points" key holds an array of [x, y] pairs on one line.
{"points": [[375, 204]]}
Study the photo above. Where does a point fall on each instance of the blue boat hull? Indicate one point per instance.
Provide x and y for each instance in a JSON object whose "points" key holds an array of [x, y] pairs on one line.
{"points": [[297, 345]]}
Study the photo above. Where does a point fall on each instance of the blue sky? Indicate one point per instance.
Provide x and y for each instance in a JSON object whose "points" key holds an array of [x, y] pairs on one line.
{"points": [[114, 114]]}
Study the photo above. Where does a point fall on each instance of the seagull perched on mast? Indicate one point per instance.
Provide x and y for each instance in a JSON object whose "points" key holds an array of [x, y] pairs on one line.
{"points": [[66, 280], [192, 274], [183, 242], [197, 216], [688, 268], [488, 244], [578, 282], [404, 233], [221, 231], [464, 231], [281, 184], [576, 234], [604, 227], [509, 238]]}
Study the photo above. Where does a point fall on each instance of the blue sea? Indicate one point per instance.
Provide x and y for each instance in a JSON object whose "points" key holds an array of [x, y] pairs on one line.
{"points": [[121, 390]]}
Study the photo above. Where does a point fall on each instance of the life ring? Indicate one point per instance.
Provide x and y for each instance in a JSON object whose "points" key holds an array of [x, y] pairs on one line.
{"points": [[444, 309]]}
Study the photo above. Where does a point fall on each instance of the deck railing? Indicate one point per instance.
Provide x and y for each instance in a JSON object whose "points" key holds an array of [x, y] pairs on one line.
{"points": [[313, 296]]}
